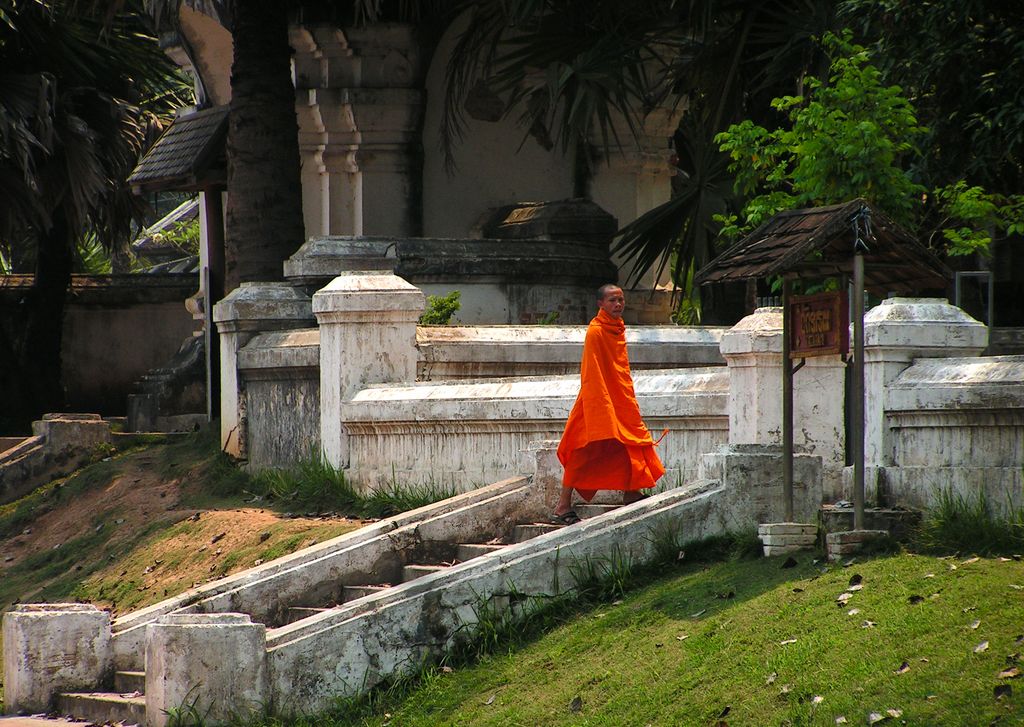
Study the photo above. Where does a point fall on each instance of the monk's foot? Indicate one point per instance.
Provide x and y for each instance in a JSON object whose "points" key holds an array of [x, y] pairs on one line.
{"points": [[569, 517], [628, 498]]}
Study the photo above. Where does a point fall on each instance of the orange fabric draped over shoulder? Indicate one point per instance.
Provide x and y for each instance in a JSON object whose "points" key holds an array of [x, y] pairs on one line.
{"points": [[605, 445]]}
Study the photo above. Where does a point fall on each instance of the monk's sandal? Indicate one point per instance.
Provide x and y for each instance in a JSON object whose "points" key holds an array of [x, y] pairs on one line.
{"points": [[566, 518]]}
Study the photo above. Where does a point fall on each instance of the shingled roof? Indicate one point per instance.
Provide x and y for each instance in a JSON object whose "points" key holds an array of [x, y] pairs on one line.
{"points": [[818, 242], [188, 156]]}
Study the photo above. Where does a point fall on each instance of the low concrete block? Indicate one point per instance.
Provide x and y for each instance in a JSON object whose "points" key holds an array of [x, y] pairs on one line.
{"points": [[51, 648], [214, 663], [851, 542], [779, 538]]}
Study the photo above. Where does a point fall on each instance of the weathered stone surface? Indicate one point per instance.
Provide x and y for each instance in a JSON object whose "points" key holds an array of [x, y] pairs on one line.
{"points": [[898, 523], [346, 650], [280, 373], [250, 309], [751, 476], [468, 433], [212, 662], [896, 332], [753, 351], [367, 336], [60, 444], [52, 648], [457, 352], [851, 542], [500, 281], [372, 554]]}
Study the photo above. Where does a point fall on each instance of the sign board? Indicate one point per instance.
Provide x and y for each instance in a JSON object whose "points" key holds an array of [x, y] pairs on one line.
{"points": [[820, 325]]}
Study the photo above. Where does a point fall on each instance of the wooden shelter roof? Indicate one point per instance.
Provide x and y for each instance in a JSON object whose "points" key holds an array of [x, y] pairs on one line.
{"points": [[818, 242], [188, 156]]}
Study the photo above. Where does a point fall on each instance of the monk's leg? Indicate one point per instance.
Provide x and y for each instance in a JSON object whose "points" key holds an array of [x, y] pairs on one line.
{"points": [[564, 501]]}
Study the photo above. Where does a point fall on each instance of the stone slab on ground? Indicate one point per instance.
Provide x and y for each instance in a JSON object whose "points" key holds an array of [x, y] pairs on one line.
{"points": [[786, 537], [898, 522], [851, 542]]}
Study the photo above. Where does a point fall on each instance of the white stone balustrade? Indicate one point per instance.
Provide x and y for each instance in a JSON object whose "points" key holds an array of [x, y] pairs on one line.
{"points": [[367, 336], [249, 309]]}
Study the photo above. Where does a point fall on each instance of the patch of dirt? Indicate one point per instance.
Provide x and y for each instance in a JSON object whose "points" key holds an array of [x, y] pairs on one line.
{"points": [[208, 545]]}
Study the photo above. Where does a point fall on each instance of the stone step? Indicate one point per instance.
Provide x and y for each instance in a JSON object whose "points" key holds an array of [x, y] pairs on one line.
{"points": [[412, 572], [593, 509], [297, 613], [351, 593], [468, 551], [103, 707], [522, 533], [126, 682]]}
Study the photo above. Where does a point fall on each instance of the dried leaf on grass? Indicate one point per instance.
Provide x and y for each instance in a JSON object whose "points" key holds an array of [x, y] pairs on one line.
{"points": [[1012, 673], [576, 704], [1001, 691], [983, 646], [904, 668]]}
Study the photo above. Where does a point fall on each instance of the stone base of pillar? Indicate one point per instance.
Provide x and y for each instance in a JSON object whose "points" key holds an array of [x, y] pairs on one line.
{"points": [[51, 648], [753, 475], [844, 544], [540, 461], [214, 664], [780, 538]]}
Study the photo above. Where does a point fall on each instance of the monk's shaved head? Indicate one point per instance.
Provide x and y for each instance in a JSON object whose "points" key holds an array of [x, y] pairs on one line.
{"points": [[605, 289]]}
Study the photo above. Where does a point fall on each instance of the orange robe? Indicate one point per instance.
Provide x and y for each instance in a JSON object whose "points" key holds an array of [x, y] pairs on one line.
{"points": [[605, 445]]}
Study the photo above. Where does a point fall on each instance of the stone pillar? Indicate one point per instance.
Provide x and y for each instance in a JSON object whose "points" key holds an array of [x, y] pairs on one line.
{"points": [[250, 309], [214, 663], [51, 648], [753, 351], [636, 176], [360, 106], [367, 336], [896, 332], [540, 461]]}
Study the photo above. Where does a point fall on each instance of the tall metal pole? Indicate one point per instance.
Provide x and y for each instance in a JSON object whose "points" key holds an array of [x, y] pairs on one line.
{"points": [[787, 407], [857, 392]]}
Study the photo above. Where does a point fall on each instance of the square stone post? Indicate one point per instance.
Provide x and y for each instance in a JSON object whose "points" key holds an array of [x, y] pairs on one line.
{"points": [[50, 648], [896, 332], [214, 663], [540, 461], [751, 464], [250, 309], [367, 336]]}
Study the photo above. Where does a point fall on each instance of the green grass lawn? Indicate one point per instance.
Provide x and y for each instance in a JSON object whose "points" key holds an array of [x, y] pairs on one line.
{"points": [[750, 643]]}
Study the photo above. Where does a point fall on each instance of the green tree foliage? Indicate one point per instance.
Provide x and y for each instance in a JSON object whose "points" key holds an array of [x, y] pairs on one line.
{"points": [[853, 136], [441, 308], [77, 94], [961, 63]]}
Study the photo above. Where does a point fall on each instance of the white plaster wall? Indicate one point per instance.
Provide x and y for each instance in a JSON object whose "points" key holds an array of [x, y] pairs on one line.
{"points": [[496, 164], [468, 434]]}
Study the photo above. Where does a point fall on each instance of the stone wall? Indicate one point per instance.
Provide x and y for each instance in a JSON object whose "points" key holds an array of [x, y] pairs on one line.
{"points": [[280, 372], [469, 434], [957, 425], [116, 328]]}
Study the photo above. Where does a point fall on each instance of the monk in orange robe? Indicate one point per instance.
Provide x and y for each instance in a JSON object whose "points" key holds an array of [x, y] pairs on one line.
{"points": [[605, 445]]}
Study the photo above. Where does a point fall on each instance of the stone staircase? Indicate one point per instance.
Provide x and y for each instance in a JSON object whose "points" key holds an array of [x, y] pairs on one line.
{"points": [[337, 618], [126, 704]]}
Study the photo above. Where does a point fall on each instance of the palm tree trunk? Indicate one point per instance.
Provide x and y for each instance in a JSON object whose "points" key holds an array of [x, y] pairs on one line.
{"points": [[264, 205], [34, 361]]}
